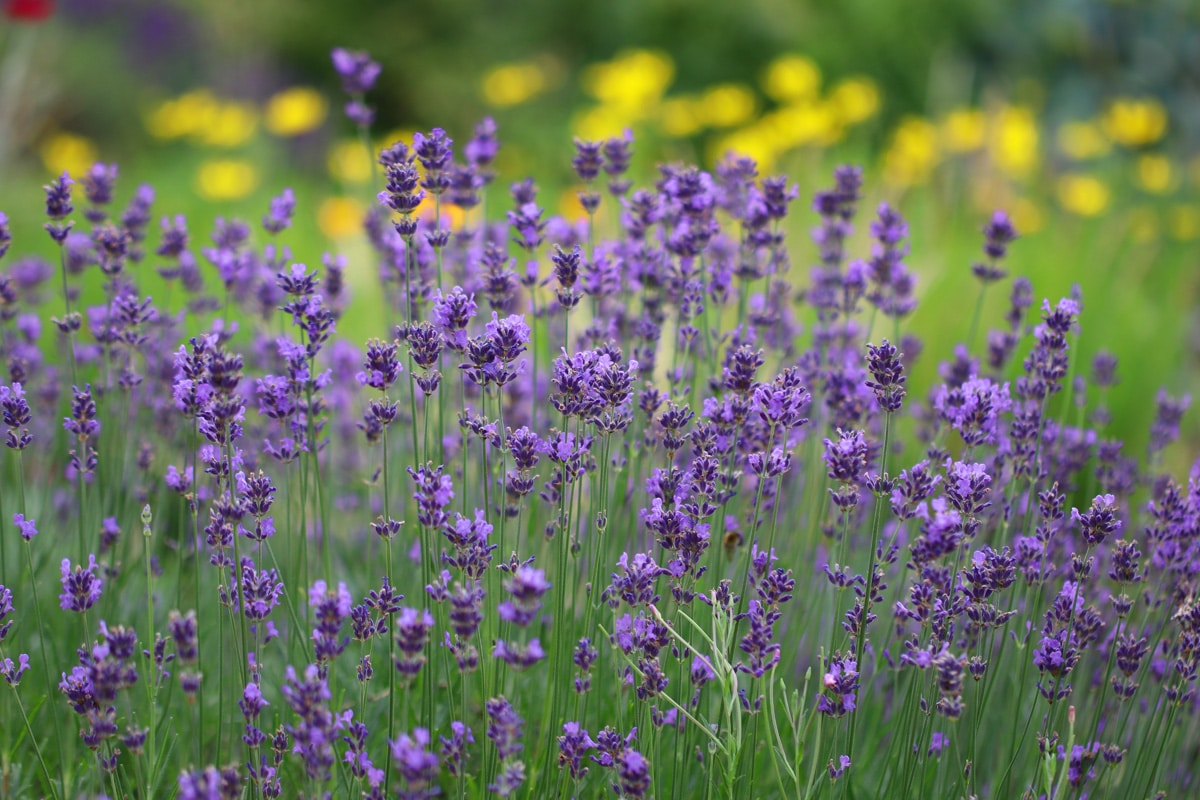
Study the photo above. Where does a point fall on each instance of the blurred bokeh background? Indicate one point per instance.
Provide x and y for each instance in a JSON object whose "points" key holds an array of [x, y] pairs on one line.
{"points": [[1080, 117]]}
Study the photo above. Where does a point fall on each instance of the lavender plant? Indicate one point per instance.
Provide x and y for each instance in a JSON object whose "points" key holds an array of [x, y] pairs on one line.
{"points": [[662, 524]]}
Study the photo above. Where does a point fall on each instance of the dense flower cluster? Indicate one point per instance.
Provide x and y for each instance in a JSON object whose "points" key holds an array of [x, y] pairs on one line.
{"points": [[556, 549]]}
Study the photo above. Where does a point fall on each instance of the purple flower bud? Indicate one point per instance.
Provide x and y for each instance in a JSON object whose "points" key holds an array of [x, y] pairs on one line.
{"points": [[356, 69]]}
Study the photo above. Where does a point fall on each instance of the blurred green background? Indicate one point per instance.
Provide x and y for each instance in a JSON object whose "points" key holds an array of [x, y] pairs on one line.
{"points": [[1080, 117]]}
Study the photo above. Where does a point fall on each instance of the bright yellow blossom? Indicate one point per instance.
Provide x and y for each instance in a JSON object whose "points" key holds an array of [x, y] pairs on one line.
{"points": [[512, 84], [229, 124], [727, 104], [186, 115], [68, 152], [633, 82], [854, 100], [226, 179], [912, 154], [295, 111], [1135, 122], [1013, 144], [790, 78], [1083, 195]]}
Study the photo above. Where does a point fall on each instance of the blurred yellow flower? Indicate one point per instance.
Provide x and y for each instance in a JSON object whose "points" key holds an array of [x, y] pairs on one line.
{"points": [[347, 161], [1134, 122], [295, 111], [1084, 195], [1026, 216], [228, 124], [681, 116], [226, 179], [912, 153], [964, 130], [1155, 174], [67, 152], [1013, 144], [340, 217], [1144, 225], [791, 77], [187, 114], [600, 122], [802, 124], [634, 81], [755, 142], [1082, 140], [728, 104], [512, 84], [1183, 222], [855, 100]]}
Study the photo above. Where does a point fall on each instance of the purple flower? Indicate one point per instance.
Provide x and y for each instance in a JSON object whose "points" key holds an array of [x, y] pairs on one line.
{"points": [[356, 69], [80, 586], [27, 527], [453, 750], [416, 763], [1100, 521], [412, 634], [315, 726], [58, 207], [588, 159], [526, 587], [434, 152], [633, 774], [330, 610], [12, 672], [1168, 413], [16, 415], [887, 372], [279, 217], [839, 696], [452, 313], [974, 408]]}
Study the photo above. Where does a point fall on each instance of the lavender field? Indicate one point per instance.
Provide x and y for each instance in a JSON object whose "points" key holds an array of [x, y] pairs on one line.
{"points": [[639, 503]]}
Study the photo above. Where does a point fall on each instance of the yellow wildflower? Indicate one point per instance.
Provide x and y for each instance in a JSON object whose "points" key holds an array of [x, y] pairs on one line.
{"points": [[295, 111], [634, 81], [68, 152], [340, 217], [186, 115], [228, 125], [1013, 145], [855, 100], [1135, 122], [512, 84], [1083, 195], [790, 78], [226, 179], [727, 104], [912, 154]]}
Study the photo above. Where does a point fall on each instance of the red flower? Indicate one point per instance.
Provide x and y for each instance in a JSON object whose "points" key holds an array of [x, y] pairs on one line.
{"points": [[29, 10]]}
